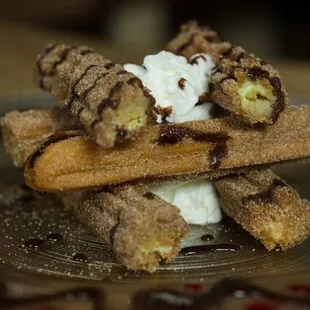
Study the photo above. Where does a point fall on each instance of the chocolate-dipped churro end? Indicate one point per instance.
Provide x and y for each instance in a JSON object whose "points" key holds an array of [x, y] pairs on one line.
{"points": [[141, 228], [193, 39], [248, 87], [267, 207], [110, 102]]}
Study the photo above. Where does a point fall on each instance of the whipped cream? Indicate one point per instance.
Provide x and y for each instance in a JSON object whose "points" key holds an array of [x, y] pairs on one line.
{"points": [[196, 200], [176, 84]]}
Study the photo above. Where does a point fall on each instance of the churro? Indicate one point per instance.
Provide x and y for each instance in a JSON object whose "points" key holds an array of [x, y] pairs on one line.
{"points": [[248, 87], [141, 228], [111, 103], [23, 132], [267, 207], [210, 148], [193, 39]]}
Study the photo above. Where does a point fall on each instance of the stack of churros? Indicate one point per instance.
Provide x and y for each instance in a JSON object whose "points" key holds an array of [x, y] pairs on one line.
{"points": [[101, 149]]}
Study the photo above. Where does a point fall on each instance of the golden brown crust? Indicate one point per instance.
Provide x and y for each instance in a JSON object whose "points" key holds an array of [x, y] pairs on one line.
{"points": [[267, 207], [194, 39], [111, 103], [23, 132], [202, 148], [248, 87], [140, 227]]}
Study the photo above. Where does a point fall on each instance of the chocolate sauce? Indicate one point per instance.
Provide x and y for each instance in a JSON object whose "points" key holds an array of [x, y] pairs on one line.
{"points": [[121, 72], [86, 52], [203, 98], [80, 257], [275, 82], [207, 237], [181, 83], [115, 89], [62, 57], [74, 95], [48, 49], [195, 59], [34, 243], [184, 46], [52, 139], [171, 134], [257, 73], [121, 133], [228, 52], [267, 196], [93, 295], [171, 300], [210, 248], [110, 65], [149, 195], [89, 89], [54, 237]]}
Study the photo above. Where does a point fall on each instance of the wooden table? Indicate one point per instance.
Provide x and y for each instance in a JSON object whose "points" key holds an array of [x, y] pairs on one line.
{"points": [[21, 43]]}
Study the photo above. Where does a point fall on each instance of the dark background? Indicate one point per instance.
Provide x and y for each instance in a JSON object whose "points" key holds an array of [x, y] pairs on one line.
{"points": [[268, 28]]}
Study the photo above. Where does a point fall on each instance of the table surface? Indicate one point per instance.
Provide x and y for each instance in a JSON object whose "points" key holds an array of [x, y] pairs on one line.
{"points": [[21, 43]]}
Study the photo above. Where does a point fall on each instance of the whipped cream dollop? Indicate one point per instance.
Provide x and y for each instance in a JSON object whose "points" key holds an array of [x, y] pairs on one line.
{"points": [[197, 200], [176, 85]]}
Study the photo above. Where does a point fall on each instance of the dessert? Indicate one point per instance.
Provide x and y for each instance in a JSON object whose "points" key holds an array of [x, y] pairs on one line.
{"points": [[267, 207], [194, 39], [248, 87], [141, 228], [210, 149], [128, 192], [110, 103], [24, 131]]}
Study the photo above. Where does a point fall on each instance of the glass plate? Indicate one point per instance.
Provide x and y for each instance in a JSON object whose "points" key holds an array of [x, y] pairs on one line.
{"points": [[43, 248]]}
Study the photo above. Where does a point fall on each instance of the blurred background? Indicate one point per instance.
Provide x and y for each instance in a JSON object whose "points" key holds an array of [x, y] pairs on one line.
{"points": [[125, 31]]}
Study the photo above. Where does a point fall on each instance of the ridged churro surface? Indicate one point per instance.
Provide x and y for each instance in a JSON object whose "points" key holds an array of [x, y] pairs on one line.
{"points": [[111, 103], [248, 87], [194, 39], [267, 207], [204, 148], [140, 227]]}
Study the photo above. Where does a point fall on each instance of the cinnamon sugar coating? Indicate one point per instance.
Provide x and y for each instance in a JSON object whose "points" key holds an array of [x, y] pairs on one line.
{"points": [[23, 132], [266, 207], [202, 148], [248, 87], [141, 228], [111, 103], [194, 39]]}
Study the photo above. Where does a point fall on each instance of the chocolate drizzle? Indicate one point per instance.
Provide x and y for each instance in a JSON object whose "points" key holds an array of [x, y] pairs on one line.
{"points": [[34, 243], [74, 95], [149, 195], [195, 59], [210, 248], [93, 295], [172, 134], [52, 139], [171, 300], [184, 46], [80, 257], [181, 83], [266, 196]]}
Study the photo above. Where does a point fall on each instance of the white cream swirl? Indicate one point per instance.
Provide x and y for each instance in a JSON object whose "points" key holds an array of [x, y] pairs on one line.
{"points": [[177, 84]]}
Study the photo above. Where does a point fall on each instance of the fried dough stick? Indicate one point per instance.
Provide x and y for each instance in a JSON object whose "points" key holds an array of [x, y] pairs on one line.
{"points": [[141, 228], [249, 88], [210, 148], [23, 132], [110, 103], [267, 207]]}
